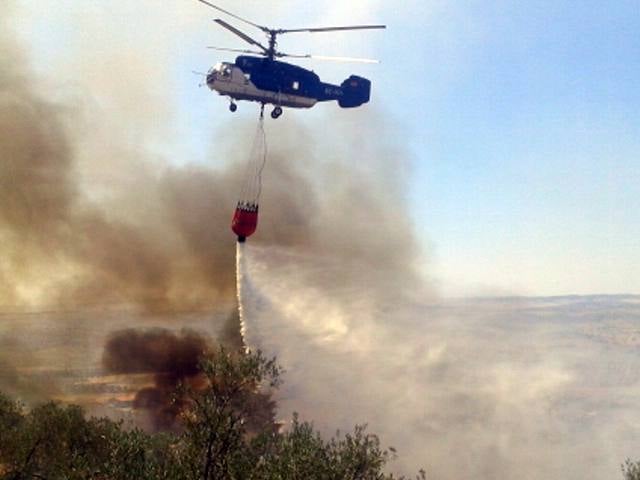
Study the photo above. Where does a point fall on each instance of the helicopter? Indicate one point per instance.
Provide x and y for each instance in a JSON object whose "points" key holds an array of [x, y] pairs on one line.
{"points": [[266, 80]]}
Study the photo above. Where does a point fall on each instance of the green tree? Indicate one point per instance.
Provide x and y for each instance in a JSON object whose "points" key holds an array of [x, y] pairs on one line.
{"points": [[11, 421], [228, 433], [301, 453], [135, 454], [220, 417], [225, 439], [53, 441]]}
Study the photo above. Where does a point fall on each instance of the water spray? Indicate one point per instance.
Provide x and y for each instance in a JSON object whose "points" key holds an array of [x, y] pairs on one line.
{"points": [[239, 259]]}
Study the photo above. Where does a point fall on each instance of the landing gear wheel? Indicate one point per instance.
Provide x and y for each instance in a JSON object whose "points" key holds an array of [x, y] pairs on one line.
{"points": [[233, 107], [276, 112]]}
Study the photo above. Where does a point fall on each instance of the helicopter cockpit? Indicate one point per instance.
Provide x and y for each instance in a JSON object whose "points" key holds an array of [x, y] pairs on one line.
{"points": [[224, 69], [221, 71]]}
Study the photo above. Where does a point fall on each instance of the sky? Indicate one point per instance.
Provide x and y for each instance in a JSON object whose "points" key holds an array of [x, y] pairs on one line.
{"points": [[520, 120]]}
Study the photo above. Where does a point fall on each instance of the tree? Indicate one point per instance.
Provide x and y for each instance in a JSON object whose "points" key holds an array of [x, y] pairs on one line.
{"points": [[11, 421], [228, 432], [135, 454], [631, 470], [301, 453], [54, 441], [230, 408], [50, 442]]}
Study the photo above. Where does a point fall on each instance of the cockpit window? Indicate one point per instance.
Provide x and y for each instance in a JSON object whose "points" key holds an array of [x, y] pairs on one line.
{"points": [[222, 69]]}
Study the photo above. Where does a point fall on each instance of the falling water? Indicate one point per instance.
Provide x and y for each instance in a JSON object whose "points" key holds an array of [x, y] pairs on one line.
{"points": [[239, 277], [465, 388]]}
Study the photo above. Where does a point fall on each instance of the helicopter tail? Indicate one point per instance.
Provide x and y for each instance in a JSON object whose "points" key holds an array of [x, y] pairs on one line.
{"points": [[355, 91]]}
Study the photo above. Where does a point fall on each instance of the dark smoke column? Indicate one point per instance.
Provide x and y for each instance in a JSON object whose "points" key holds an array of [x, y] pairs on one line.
{"points": [[172, 358]]}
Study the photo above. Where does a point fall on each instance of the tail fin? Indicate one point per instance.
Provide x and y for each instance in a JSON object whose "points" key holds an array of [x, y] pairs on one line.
{"points": [[356, 91]]}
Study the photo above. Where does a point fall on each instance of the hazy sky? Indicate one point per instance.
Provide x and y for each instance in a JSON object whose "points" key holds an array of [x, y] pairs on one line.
{"points": [[521, 119]]}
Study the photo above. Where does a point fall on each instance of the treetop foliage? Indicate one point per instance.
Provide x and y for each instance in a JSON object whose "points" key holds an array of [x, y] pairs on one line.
{"points": [[227, 432]]}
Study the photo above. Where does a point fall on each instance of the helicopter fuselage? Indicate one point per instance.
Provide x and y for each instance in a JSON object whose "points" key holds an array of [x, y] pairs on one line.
{"points": [[282, 84]]}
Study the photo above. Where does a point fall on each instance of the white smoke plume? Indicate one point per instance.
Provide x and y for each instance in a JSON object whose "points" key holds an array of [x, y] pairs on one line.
{"points": [[502, 388]]}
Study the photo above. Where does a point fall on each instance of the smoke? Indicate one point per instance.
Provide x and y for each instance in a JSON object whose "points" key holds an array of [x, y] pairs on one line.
{"points": [[75, 233], [171, 358], [93, 210], [60, 246], [494, 388], [16, 353], [88, 215], [94, 213], [91, 215]]}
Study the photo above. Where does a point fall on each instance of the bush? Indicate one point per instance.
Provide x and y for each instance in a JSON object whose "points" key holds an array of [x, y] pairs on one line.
{"points": [[228, 432]]}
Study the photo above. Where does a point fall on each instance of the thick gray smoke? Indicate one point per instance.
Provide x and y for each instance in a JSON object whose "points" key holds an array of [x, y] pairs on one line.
{"points": [[160, 237], [172, 359], [91, 215], [63, 246]]}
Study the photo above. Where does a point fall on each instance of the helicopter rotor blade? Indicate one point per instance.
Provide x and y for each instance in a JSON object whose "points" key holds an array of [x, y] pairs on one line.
{"points": [[332, 29], [264, 29], [333, 59], [239, 50], [242, 35]]}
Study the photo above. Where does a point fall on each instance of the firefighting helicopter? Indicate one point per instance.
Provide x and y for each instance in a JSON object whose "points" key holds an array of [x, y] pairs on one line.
{"points": [[266, 80]]}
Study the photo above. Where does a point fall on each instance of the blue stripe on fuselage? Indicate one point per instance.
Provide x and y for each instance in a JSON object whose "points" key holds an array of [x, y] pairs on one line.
{"points": [[276, 76]]}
